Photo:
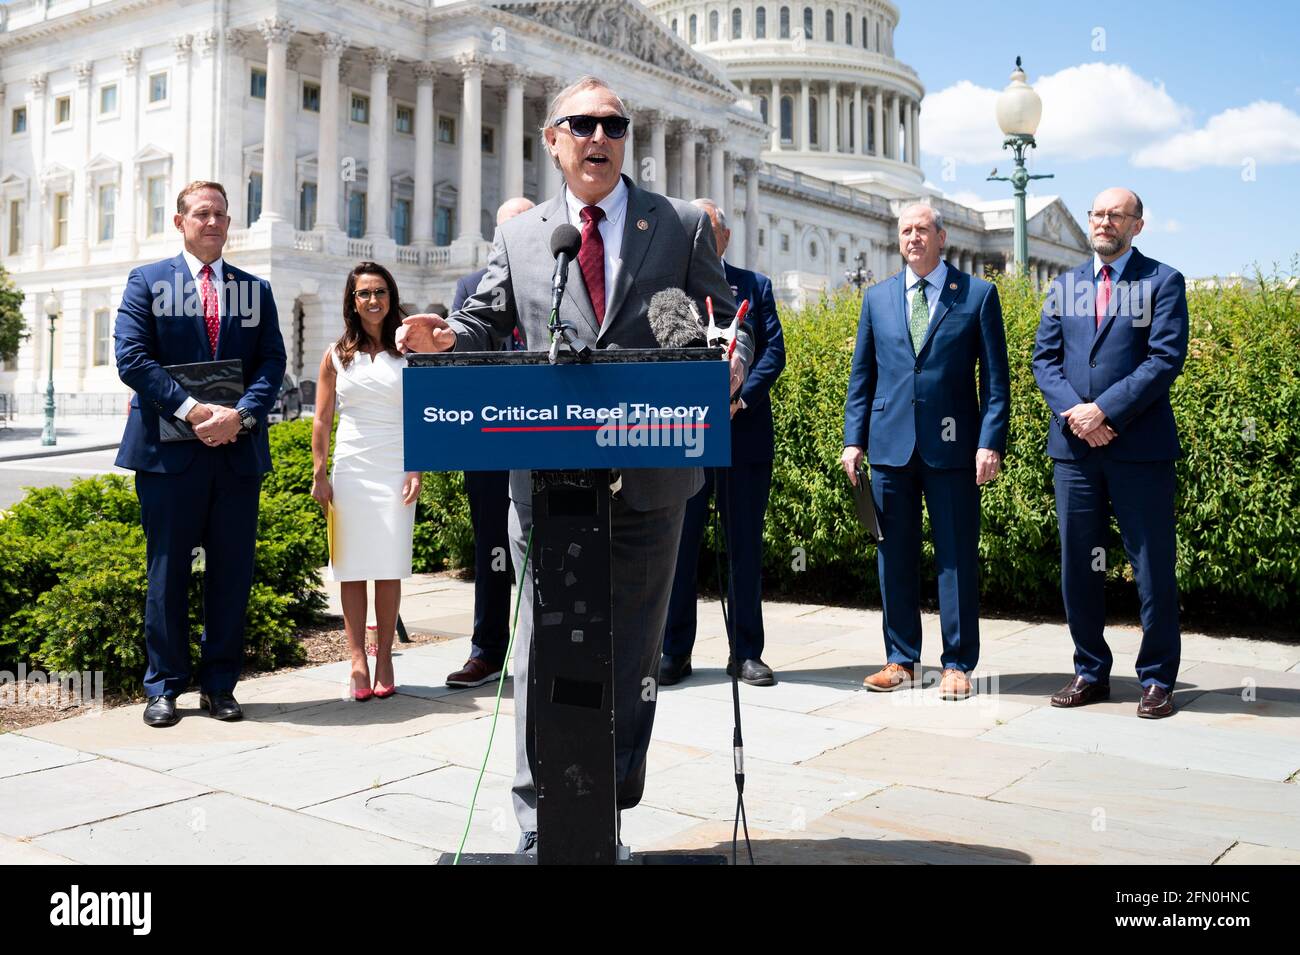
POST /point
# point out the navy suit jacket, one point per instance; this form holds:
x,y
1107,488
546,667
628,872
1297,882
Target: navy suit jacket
x,y
1126,366
466,286
900,401
160,322
751,429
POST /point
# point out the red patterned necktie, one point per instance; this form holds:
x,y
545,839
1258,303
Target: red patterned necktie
x,y
211,318
1103,295
591,258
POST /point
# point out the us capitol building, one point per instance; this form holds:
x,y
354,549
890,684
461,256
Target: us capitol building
x,y
392,129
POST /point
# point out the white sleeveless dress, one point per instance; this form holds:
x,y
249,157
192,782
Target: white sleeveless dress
x,y
372,527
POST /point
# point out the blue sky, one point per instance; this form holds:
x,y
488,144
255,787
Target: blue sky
x,y
1196,105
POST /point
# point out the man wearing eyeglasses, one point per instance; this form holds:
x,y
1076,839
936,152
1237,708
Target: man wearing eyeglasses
x,y
1111,342
198,498
634,243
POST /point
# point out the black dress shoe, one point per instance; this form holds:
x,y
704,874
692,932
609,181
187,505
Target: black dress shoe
x,y
1157,703
161,711
1079,692
755,673
222,706
674,669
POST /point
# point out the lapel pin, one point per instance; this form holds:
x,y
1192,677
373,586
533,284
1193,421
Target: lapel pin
x,y
230,276
642,224
952,285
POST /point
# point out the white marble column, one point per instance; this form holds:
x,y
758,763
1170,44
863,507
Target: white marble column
x,y
377,185
878,124
551,179
328,172
512,139
629,143
180,120
859,127
658,154
276,31
908,115
801,137
916,133
833,115
687,138
729,184
895,151
717,173
471,148
774,114
80,215
751,213
422,214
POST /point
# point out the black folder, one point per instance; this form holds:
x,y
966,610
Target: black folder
x,y
209,383
868,516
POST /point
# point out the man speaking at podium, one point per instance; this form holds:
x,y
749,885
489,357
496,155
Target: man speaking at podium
x,y
634,243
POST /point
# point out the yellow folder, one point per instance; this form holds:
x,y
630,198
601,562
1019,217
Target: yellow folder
x,y
329,532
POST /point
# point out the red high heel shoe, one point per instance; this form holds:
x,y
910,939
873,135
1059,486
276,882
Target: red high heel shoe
x,y
384,692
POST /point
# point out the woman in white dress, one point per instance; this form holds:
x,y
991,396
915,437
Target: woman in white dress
x,y
371,496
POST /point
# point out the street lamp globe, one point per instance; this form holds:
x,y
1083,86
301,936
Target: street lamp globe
x,y
51,305
1019,108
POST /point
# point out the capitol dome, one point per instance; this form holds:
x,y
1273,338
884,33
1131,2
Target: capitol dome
x,y
823,76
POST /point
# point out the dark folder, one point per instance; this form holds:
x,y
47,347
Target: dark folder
x,y
868,516
207,382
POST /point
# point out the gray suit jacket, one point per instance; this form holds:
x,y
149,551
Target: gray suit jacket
x,y
675,250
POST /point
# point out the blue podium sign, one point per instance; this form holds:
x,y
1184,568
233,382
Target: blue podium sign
x,y
668,414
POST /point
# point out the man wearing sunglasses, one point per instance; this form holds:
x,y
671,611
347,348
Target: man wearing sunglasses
x,y
634,243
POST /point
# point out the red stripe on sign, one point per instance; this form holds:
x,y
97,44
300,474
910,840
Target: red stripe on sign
x,y
590,427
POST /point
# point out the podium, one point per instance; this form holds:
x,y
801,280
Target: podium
x,y
579,428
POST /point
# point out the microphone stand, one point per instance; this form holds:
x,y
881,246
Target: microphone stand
x,y
560,332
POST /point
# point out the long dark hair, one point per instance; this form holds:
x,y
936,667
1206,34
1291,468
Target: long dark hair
x,y
354,331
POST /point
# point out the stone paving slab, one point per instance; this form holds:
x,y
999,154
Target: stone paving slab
x,y
1250,810
792,695
1246,854
306,771
1232,678
23,852
67,796
375,720
929,761
1166,742
22,754
464,743
925,710
121,734
221,829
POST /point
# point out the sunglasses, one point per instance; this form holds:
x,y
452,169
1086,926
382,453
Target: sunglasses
x,y
583,126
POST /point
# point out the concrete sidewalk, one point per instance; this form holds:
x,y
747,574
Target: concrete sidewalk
x,y
834,774
21,440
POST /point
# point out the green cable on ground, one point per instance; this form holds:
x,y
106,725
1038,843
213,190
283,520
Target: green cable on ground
x,y
496,712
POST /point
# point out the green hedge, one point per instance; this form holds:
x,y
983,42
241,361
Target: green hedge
x,y
1238,409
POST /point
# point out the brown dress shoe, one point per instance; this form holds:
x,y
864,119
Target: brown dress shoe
x,y
1157,703
475,672
1079,692
889,677
955,685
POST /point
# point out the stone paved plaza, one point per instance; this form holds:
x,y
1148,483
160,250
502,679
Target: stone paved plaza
x,y
834,774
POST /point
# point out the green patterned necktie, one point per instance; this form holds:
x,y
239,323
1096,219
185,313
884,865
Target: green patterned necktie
x,y
920,316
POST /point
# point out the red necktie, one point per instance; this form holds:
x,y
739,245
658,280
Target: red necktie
x,y
591,258
211,317
1103,295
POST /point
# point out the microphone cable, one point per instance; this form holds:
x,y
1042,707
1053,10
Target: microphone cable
x,y
737,739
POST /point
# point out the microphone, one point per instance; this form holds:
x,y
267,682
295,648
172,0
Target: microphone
x,y
674,320
565,243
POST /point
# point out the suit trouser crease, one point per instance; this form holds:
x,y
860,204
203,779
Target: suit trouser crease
x,y
489,513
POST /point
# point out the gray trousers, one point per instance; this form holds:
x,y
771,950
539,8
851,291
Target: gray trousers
x,y
643,555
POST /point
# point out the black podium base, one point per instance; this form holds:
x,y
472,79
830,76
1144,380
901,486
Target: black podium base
x,y
637,858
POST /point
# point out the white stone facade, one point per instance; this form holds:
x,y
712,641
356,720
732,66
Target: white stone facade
x,y
108,107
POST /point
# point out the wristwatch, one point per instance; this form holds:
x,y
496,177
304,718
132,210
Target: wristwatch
x,y
247,418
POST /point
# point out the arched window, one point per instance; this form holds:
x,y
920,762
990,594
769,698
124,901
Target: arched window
x,y
830,26
807,23
812,120
713,27
694,29
760,24
869,129
674,27
848,28
787,119
735,23
785,23
865,33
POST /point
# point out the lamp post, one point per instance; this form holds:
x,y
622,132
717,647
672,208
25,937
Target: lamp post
x,y
52,313
860,275
1019,109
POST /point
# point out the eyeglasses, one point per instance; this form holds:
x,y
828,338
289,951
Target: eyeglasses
x,y
583,126
1115,217
366,294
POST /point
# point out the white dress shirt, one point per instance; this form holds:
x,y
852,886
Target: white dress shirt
x,y
611,228
218,279
933,286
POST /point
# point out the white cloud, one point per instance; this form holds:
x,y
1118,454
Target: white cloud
x,y
965,198
1263,131
1089,111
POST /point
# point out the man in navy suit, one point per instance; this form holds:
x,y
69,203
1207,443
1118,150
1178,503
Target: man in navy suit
x,y
742,492
913,407
198,498
489,513
1111,342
